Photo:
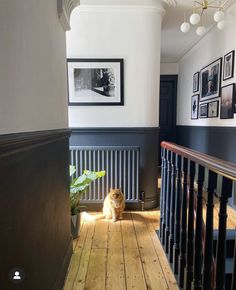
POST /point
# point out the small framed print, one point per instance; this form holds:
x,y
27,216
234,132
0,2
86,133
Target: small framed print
x,y
228,68
194,107
196,82
213,109
203,110
227,105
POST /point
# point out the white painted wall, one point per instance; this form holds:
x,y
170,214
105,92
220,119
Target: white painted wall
x,y
33,93
215,44
169,68
128,32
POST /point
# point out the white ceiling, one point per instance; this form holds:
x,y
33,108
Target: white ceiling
x,y
174,43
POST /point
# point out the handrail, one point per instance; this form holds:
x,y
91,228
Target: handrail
x,y
216,165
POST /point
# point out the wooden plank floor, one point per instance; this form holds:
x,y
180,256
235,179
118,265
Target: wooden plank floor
x,y
123,255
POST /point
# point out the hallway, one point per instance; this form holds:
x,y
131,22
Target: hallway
x,y
121,255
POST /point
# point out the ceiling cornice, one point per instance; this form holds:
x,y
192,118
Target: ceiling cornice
x,y
158,6
65,7
123,2
64,10
171,3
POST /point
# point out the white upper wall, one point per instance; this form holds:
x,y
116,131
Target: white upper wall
x,y
128,32
33,93
169,68
215,44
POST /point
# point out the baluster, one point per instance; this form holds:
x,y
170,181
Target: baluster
x,y
234,272
168,198
176,249
221,243
190,237
197,274
182,256
164,182
161,191
208,248
172,208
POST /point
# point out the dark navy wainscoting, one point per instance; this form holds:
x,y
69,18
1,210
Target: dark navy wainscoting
x,y
148,141
216,141
35,209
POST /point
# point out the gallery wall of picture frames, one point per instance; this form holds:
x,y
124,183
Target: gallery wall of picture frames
x,y
211,98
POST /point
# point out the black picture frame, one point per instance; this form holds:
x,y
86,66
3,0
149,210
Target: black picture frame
x,y
196,82
213,109
227,104
194,107
95,82
228,67
210,80
203,111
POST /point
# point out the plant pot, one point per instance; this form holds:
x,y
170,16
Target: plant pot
x,y
75,225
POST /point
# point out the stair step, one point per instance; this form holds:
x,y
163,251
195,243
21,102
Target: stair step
x,y
230,234
230,242
229,265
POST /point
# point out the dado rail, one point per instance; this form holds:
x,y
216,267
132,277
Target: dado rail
x,y
202,258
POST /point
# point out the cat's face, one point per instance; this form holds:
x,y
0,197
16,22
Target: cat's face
x,y
116,194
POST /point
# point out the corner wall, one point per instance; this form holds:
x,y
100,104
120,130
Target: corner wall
x,y
131,32
34,146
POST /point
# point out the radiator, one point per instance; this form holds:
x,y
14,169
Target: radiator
x,y
120,163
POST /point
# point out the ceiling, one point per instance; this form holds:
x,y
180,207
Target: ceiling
x,y
174,43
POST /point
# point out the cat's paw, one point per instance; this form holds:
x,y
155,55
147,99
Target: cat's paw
x,y
121,217
114,220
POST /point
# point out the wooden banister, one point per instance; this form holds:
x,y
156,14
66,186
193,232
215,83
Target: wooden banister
x,y
186,240
216,165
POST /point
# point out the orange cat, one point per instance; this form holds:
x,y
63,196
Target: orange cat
x,y
114,204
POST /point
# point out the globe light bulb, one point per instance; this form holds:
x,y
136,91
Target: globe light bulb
x,y
221,24
194,18
185,27
219,16
200,30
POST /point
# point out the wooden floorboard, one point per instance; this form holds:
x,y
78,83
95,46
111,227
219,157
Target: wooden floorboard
x,y
125,255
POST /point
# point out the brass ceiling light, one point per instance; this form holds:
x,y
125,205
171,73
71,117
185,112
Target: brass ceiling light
x,y
197,15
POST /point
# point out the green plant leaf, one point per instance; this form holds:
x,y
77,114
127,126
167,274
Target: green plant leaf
x,y
72,170
79,185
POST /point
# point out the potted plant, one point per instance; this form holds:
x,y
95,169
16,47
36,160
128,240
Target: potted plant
x,y
78,186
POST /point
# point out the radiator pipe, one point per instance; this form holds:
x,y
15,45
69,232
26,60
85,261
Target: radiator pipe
x,y
142,199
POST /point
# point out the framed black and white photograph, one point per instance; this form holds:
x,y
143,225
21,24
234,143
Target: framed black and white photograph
x,y
95,82
210,79
196,82
227,104
203,111
213,109
228,67
194,107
